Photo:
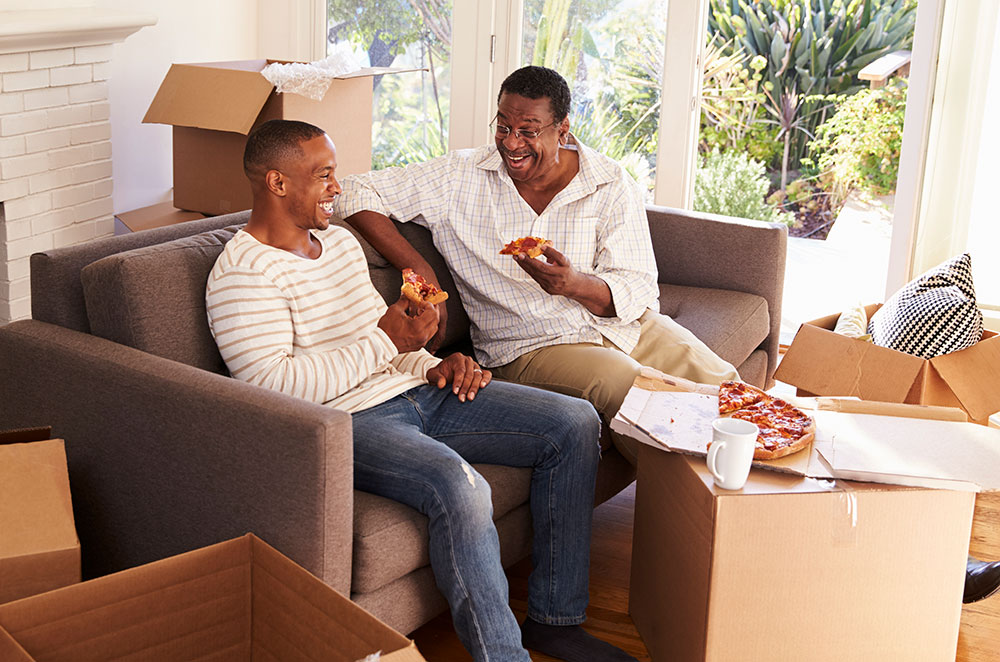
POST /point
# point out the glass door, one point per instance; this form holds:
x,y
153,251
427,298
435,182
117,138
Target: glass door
x,y
410,111
611,54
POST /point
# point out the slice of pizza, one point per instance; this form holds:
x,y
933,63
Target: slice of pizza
x,y
530,246
783,429
416,289
735,395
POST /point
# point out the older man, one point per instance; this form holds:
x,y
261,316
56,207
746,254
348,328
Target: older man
x,y
584,320
292,308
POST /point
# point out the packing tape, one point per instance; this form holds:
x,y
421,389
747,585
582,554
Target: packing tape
x,y
844,528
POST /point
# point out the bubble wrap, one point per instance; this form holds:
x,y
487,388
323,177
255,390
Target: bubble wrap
x,y
313,79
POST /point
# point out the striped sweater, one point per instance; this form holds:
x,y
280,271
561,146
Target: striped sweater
x,y
307,328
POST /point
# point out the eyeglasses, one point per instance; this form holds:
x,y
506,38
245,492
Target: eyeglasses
x,y
501,131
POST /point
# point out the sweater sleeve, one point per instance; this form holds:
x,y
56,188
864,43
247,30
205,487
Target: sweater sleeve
x,y
250,319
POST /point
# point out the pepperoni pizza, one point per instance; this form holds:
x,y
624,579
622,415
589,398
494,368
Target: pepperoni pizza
x,y
783,428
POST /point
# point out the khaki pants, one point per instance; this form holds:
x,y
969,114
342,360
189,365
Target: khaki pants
x,y
603,374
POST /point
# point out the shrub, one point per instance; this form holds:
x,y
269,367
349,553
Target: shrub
x,y
813,48
732,104
733,184
859,146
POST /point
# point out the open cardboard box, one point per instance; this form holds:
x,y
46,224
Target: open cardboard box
x,y
821,362
213,107
800,563
797,565
236,600
39,548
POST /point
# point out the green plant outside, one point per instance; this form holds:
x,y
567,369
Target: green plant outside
x,y
411,119
733,184
732,103
813,48
858,148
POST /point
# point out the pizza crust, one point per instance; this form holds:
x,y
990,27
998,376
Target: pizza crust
x,y
761,453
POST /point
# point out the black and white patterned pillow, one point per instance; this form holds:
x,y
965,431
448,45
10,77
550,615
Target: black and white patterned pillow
x,y
932,315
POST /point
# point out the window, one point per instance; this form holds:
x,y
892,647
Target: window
x,y
611,53
410,110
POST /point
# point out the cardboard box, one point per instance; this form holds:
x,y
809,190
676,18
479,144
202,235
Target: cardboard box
x,y
39,549
214,106
153,216
821,362
793,568
237,600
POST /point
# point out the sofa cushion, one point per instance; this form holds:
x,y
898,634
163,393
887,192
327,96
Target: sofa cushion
x,y
733,324
390,539
153,298
387,279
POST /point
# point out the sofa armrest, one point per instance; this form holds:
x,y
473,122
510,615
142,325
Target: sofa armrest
x,y
708,250
164,457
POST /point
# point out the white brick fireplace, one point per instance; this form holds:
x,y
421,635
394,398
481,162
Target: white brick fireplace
x,y
55,135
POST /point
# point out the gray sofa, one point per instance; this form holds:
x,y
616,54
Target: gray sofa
x,y
167,453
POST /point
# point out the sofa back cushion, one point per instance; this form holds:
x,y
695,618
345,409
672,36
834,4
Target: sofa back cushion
x,y
153,298
387,279
56,290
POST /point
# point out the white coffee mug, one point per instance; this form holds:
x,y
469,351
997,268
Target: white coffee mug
x,y
731,452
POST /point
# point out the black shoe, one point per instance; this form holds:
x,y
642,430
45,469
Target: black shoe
x,y
982,580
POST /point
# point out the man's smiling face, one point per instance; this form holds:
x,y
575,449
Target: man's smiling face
x,y
313,183
529,160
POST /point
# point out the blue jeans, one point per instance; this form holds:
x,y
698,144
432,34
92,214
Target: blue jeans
x,y
416,448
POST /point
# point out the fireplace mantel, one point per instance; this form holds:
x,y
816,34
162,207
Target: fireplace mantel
x,y
45,29
55,134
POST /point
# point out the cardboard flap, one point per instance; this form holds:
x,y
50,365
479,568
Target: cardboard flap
x,y
10,650
851,406
209,98
827,363
34,487
905,450
292,605
972,376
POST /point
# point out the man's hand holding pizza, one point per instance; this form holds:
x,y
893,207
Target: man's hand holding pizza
x,y
557,276
463,373
409,325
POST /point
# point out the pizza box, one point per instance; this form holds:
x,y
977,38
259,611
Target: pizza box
x,y
39,548
213,106
236,600
821,362
860,440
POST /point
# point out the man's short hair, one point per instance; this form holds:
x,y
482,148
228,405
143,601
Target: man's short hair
x,y
534,82
274,143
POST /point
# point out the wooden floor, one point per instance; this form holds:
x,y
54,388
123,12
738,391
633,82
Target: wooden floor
x,y
607,615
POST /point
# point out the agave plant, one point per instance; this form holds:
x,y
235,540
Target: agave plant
x,y
814,48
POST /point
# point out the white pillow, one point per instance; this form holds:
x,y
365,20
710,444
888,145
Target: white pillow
x,y
853,323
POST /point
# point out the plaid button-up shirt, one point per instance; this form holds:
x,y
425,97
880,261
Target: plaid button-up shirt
x,y
469,203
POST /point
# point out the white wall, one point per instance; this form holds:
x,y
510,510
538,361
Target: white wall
x,y
984,230
186,31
